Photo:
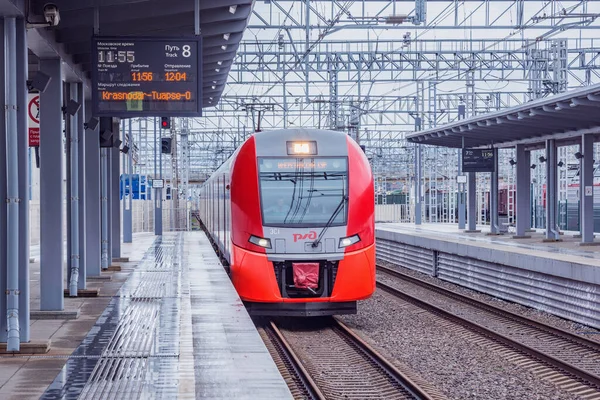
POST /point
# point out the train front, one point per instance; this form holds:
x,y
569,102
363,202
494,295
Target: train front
x,y
302,224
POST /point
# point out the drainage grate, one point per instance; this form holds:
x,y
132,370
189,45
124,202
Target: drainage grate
x,y
133,349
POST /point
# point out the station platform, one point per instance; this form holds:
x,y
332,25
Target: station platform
x,y
567,249
168,325
562,278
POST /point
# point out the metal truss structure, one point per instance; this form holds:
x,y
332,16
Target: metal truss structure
x,y
378,69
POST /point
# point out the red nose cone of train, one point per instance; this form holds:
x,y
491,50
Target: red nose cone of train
x,y
292,212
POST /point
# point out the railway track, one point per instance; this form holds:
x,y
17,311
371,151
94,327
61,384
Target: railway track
x,y
326,360
573,362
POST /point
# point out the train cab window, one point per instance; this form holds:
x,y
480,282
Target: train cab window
x,y
303,191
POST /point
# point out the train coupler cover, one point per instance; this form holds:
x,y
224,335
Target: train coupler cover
x,y
306,275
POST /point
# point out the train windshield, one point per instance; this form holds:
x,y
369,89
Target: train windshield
x,y
303,191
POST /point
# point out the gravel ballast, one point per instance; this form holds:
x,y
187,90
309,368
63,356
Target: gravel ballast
x,y
540,316
450,357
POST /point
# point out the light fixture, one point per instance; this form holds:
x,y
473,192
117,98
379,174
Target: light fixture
x,y
226,36
213,87
210,98
347,241
578,155
512,162
224,47
542,159
217,69
560,164
232,9
215,82
262,242
219,62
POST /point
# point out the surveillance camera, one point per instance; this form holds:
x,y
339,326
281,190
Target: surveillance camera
x,y
51,14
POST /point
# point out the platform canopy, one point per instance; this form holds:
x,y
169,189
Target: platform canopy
x,y
561,117
222,24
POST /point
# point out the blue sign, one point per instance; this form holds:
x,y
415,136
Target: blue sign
x,y
140,189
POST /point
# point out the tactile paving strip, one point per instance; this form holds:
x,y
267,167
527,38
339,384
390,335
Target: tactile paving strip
x,y
133,350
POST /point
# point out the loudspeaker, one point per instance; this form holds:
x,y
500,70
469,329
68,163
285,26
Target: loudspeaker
x,y
106,138
39,82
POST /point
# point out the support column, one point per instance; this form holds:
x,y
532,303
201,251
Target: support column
x,y
81,185
551,192
51,189
418,195
494,224
128,187
523,192
158,228
12,200
73,131
23,166
114,203
586,190
93,210
105,125
109,196
472,202
461,196
3,181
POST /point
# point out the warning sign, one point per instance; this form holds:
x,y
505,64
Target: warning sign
x,y
33,122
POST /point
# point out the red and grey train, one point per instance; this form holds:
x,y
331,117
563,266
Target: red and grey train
x,y
292,213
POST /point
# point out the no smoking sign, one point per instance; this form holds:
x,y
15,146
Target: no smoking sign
x,y
33,111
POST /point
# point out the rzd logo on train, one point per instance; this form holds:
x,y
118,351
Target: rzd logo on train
x,y
312,235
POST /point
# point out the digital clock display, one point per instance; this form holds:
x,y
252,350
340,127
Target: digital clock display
x,y
145,76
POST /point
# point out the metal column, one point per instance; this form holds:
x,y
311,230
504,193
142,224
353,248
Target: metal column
x,y
109,195
72,142
586,191
158,228
494,225
128,186
51,189
105,125
461,196
551,192
472,202
3,180
115,203
23,150
418,194
93,216
523,178
80,130
14,217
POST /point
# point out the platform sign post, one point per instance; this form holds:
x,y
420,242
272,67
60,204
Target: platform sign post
x,y
33,119
147,76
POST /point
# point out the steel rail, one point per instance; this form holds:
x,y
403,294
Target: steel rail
x,y
409,384
592,345
294,361
563,366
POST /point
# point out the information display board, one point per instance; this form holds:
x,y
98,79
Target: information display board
x,y
158,183
478,160
146,76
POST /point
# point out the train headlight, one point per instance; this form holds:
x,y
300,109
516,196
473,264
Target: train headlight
x,y
347,241
262,242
